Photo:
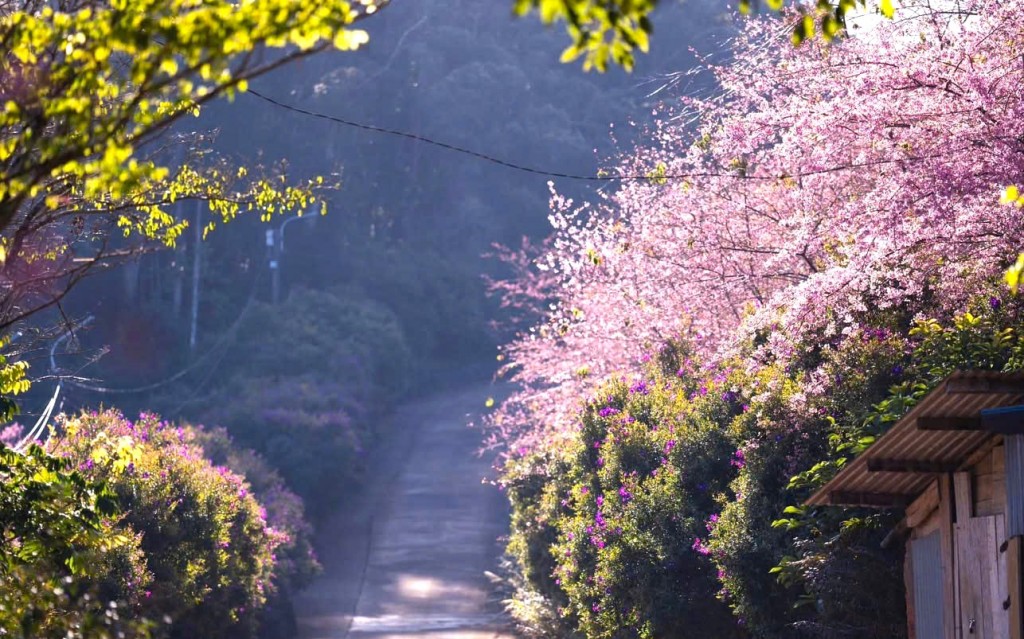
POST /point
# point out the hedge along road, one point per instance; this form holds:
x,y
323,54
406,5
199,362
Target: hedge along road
x,y
407,557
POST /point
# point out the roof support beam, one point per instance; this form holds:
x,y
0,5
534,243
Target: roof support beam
x,y
882,465
876,500
972,385
948,422
1008,420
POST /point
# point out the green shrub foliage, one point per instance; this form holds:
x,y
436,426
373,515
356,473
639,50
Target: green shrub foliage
x,y
65,568
340,336
675,509
314,431
206,547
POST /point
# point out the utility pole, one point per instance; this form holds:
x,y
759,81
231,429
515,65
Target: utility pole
x,y
273,260
196,266
275,249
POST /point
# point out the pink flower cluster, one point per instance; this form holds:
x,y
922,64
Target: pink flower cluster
x,y
824,181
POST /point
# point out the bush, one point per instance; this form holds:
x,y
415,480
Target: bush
x,y
349,339
296,562
312,431
204,540
66,569
629,512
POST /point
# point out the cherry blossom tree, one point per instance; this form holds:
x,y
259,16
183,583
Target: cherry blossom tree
x,y
825,182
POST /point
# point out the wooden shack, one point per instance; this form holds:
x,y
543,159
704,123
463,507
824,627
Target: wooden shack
x,y
955,463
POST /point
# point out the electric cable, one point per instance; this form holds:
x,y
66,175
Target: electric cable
x,y
221,344
44,417
654,177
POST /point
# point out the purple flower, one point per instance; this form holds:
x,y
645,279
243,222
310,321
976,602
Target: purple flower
x,y
625,495
669,445
608,411
995,303
738,460
640,387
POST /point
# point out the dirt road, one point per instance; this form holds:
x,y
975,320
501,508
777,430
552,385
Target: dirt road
x,y
407,557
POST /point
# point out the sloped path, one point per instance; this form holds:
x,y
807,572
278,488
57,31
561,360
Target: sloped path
x,y
407,557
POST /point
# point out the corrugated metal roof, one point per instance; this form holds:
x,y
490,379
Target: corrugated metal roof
x,y
922,453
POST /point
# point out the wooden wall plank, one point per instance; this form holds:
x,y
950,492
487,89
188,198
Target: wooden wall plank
x,y
950,569
908,580
998,584
962,496
1014,590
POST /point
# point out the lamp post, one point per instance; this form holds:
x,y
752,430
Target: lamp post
x,y
275,248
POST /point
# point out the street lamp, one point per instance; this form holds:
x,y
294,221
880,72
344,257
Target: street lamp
x,y
275,248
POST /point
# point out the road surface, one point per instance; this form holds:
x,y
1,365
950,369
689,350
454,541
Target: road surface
x,y
407,557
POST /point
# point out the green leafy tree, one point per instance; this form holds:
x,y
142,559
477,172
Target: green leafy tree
x,y
611,31
92,156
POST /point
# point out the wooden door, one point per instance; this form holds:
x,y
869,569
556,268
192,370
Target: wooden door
x,y
981,579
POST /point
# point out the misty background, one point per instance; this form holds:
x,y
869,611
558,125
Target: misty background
x,y
384,297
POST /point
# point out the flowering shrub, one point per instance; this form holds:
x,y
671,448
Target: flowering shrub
x,y
65,568
679,496
295,564
207,549
625,515
312,431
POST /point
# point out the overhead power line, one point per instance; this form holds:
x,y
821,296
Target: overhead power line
x,y
215,355
656,176
476,154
